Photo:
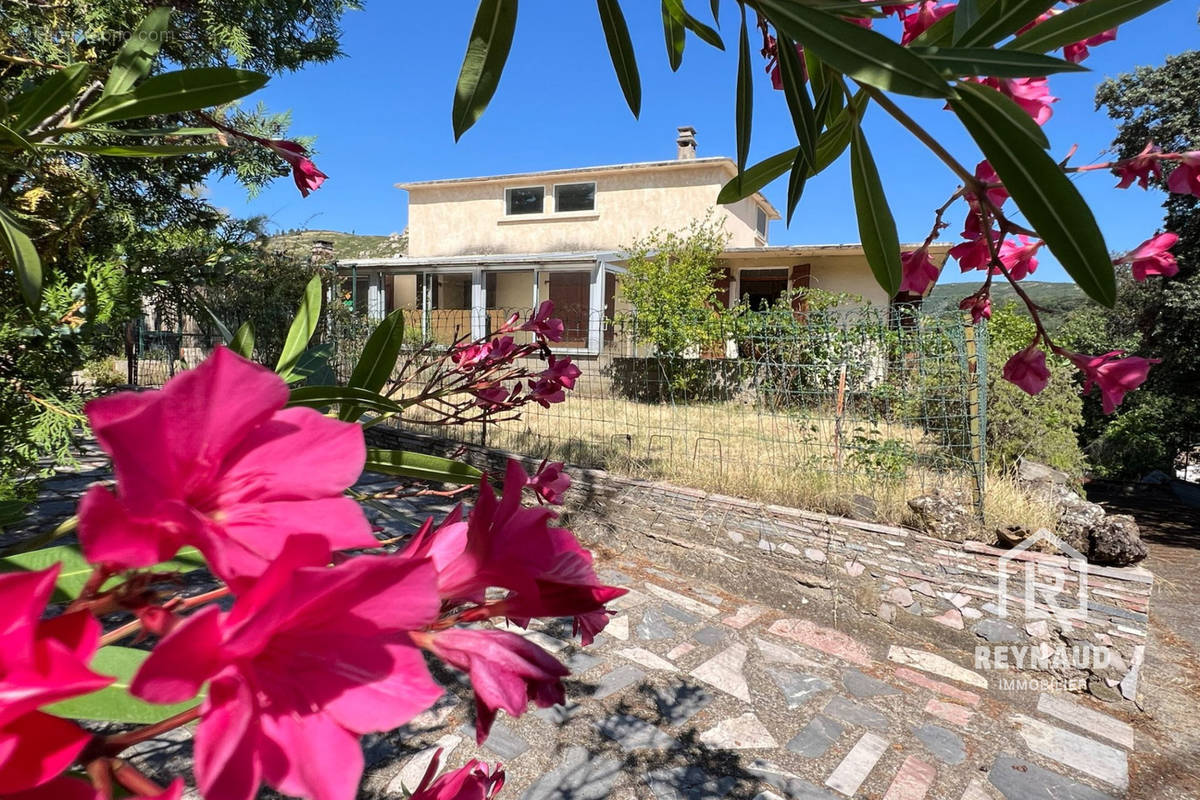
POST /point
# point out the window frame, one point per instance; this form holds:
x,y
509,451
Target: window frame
x,y
508,190
761,214
595,199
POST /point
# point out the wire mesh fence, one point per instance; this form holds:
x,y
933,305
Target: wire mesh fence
x,y
849,411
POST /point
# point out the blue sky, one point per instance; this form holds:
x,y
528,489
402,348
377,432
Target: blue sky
x,y
382,115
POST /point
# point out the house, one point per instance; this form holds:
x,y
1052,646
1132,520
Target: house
x,y
482,248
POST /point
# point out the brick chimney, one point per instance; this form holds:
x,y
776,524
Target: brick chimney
x,y
686,141
322,251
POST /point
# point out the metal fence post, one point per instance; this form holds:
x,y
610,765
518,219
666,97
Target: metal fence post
x,y
975,413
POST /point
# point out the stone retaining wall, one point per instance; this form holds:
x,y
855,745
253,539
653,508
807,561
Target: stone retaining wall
x,y
845,571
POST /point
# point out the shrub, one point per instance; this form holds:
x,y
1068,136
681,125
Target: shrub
x,y
1043,427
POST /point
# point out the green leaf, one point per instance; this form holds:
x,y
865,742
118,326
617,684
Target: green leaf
x,y
1078,23
76,570
804,117
313,366
222,328
620,49
744,105
830,145
716,11
960,61
694,25
14,137
378,359
243,341
421,466
1046,196
23,256
49,96
966,14
302,328
136,56
675,34
132,150
1000,18
326,396
487,52
174,92
796,181
939,34
876,226
114,703
864,55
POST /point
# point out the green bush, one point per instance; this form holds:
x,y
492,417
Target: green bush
x,y
1044,427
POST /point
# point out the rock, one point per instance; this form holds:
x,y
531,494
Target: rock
x,y
1013,535
946,514
1116,541
864,508
1032,472
1099,689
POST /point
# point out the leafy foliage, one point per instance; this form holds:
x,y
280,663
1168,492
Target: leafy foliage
x,y
1159,318
1041,427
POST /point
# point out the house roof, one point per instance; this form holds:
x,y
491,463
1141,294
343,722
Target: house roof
x,y
640,166
936,250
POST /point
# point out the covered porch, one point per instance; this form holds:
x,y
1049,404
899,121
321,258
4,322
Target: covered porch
x,y
449,297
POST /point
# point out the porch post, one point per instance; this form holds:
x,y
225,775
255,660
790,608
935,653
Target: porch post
x,y
478,305
596,308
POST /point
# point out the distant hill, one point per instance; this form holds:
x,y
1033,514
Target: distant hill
x,y
1058,298
345,245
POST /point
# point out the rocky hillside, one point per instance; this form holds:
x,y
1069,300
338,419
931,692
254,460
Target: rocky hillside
x,y
345,245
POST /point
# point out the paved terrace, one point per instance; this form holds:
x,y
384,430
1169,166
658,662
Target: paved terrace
x,y
697,690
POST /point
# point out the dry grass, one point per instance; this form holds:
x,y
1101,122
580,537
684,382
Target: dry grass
x,y
804,459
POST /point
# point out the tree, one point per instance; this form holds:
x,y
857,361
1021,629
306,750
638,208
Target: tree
x,y
92,205
1157,318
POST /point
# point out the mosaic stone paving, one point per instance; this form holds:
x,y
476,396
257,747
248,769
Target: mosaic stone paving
x,y
693,693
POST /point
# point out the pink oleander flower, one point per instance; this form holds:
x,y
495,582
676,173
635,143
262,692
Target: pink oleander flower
x,y
214,460
1078,51
918,272
494,350
309,659
545,570
1115,376
542,324
974,253
1027,369
41,662
550,483
1151,257
927,13
996,193
507,671
304,172
493,397
63,788
475,780
1017,256
1031,94
980,306
1142,167
561,371
545,392
1185,178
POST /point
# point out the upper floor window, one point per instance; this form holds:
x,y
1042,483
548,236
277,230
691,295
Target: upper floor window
x,y
525,200
575,197
760,223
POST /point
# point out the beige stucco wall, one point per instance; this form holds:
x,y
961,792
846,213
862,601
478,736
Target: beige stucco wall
x,y
513,290
847,274
468,217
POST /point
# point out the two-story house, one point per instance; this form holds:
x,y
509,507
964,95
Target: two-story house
x,y
481,248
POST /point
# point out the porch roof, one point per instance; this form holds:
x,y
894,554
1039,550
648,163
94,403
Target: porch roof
x,y
789,251
480,260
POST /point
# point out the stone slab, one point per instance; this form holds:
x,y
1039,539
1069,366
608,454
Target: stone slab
x,y
634,733
642,656
1101,761
852,713
745,732
1087,719
684,602
688,783
777,654
578,776
824,639
849,775
817,737
912,780
862,685
935,664
797,688
724,671
679,702
1021,780
942,742
620,678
